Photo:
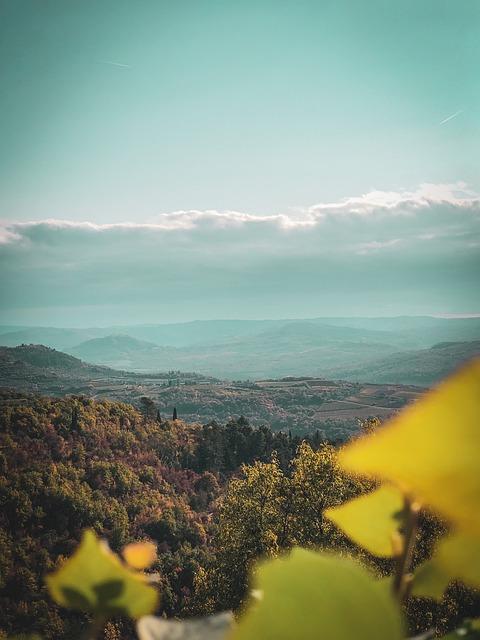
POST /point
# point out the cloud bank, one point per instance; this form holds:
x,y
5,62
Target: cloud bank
x,y
378,253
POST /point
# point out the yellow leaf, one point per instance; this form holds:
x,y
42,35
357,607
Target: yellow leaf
x,y
94,580
314,595
431,449
140,555
373,520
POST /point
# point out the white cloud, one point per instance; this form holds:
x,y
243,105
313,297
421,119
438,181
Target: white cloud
x,y
401,202
375,204
362,253
7,236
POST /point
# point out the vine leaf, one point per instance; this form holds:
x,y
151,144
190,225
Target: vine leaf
x,y
459,554
316,595
430,580
373,521
430,450
457,557
93,579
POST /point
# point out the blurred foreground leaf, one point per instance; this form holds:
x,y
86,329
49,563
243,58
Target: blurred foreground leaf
x,y
373,521
312,595
457,557
94,580
430,581
431,449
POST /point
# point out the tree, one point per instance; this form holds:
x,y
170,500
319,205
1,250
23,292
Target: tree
x,y
269,509
148,407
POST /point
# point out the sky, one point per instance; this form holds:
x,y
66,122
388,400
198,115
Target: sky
x,y
167,161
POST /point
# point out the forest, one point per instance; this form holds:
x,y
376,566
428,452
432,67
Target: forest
x,y
212,498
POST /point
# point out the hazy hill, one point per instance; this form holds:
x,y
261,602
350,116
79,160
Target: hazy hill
x,y
121,352
54,337
413,331
255,349
423,367
294,349
177,334
317,332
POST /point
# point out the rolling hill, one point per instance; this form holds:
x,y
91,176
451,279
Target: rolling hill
x,y
121,352
36,368
256,349
423,367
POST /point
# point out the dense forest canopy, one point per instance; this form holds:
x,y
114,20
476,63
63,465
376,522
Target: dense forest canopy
x,y
213,498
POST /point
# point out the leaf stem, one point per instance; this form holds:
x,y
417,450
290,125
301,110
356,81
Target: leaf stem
x,y
401,577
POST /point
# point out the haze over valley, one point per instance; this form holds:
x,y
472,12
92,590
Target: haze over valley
x,y
403,350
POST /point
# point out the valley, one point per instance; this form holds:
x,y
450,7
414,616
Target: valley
x,y
301,405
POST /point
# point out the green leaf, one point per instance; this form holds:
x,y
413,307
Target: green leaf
x,y
430,450
95,580
459,555
314,595
456,557
373,521
430,581
210,628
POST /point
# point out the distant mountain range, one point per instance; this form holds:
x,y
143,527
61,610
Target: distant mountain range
x,y
396,350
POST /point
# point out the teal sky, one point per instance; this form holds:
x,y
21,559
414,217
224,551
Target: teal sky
x,y
120,112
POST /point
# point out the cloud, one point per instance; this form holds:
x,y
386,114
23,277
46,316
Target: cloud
x,y
404,202
365,254
375,203
7,236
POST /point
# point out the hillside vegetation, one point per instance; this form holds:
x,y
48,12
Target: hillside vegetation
x,y
70,464
299,405
75,464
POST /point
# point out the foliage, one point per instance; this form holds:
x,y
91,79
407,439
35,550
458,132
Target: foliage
x,y
372,520
310,595
333,588
72,464
441,470
75,463
94,580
